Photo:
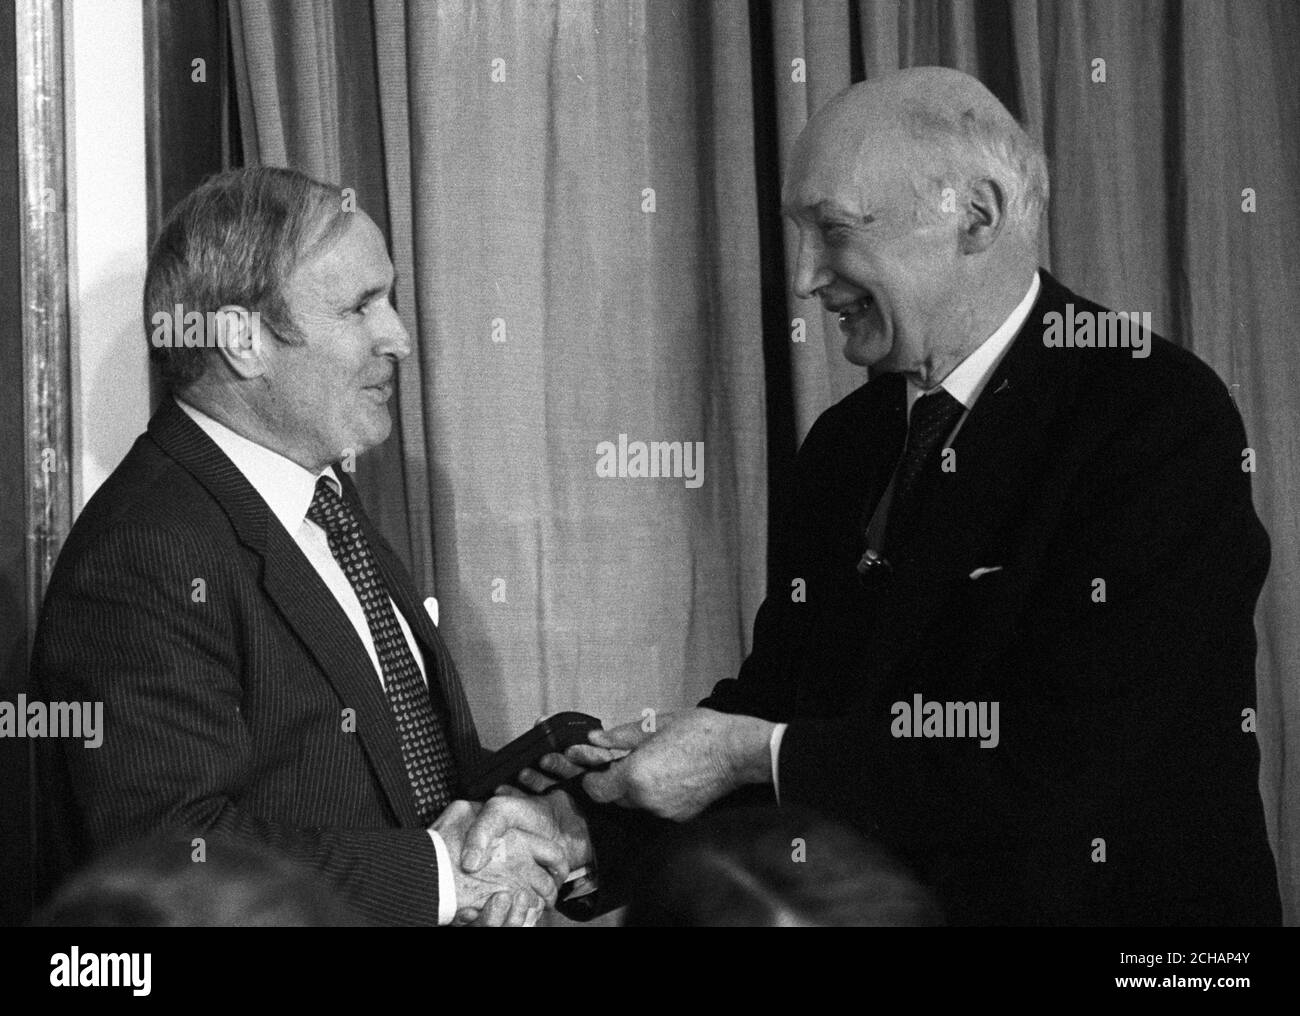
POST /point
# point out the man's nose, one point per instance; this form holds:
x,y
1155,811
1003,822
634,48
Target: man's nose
x,y
392,338
810,271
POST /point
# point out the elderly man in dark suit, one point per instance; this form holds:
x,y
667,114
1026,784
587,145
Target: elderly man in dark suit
x,y
1011,631
268,670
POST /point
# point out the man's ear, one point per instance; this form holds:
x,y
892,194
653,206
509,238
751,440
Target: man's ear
x,y
241,340
984,214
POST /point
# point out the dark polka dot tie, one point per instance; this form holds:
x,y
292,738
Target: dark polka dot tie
x,y
933,417
429,761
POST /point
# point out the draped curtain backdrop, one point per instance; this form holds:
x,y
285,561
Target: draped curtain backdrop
x,y
583,205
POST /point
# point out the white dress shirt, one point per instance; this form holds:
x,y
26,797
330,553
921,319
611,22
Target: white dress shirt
x,y
288,489
964,383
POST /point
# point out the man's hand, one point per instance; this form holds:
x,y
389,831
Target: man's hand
x,y
517,875
549,818
690,760
554,766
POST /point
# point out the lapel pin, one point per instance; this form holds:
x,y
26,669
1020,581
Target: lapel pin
x,y
872,567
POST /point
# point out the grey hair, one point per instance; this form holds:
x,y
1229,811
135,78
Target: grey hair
x,y
974,144
234,241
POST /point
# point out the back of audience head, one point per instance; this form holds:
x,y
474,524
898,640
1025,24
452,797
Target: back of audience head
x,y
777,867
163,883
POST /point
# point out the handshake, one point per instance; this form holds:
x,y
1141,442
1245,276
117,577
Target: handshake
x,y
511,855
514,853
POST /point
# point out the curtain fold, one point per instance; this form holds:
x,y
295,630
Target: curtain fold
x,y
815,33
394,119
576,172
1240,305
581,229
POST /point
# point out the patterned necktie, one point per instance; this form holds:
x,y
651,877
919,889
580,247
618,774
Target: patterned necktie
x,y
933,417
428,758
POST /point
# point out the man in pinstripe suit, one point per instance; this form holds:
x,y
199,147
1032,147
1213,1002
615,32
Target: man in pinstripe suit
x,y
267,670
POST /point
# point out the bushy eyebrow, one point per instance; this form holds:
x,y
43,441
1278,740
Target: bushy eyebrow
x,y
827,210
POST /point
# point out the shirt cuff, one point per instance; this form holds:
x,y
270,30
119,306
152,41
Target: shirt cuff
x,y
579,883
446,881
774,746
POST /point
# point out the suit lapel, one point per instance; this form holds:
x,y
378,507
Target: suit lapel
x,y
879,440
298,592
1000,450
1001,442
316,617
871,434
1000,447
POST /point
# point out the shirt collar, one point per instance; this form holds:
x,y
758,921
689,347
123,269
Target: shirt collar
x,y
969,377
286,487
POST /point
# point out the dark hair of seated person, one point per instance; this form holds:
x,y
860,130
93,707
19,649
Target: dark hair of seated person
x,y
776,867
160,883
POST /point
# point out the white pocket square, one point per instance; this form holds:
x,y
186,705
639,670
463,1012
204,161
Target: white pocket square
x,y
978,572
431,608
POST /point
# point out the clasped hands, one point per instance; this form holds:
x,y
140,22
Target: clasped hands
x,y
516,851
512,854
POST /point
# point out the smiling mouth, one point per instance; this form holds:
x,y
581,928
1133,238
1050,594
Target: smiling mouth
x,y
856,308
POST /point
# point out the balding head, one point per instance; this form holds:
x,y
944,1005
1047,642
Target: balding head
x,y
918,199
954,128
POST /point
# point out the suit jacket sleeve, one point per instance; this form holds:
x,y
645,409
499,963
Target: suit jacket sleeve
x,y
126,623
764,686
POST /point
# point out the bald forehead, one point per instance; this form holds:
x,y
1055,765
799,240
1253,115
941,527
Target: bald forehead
x,y
843,150
867,135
